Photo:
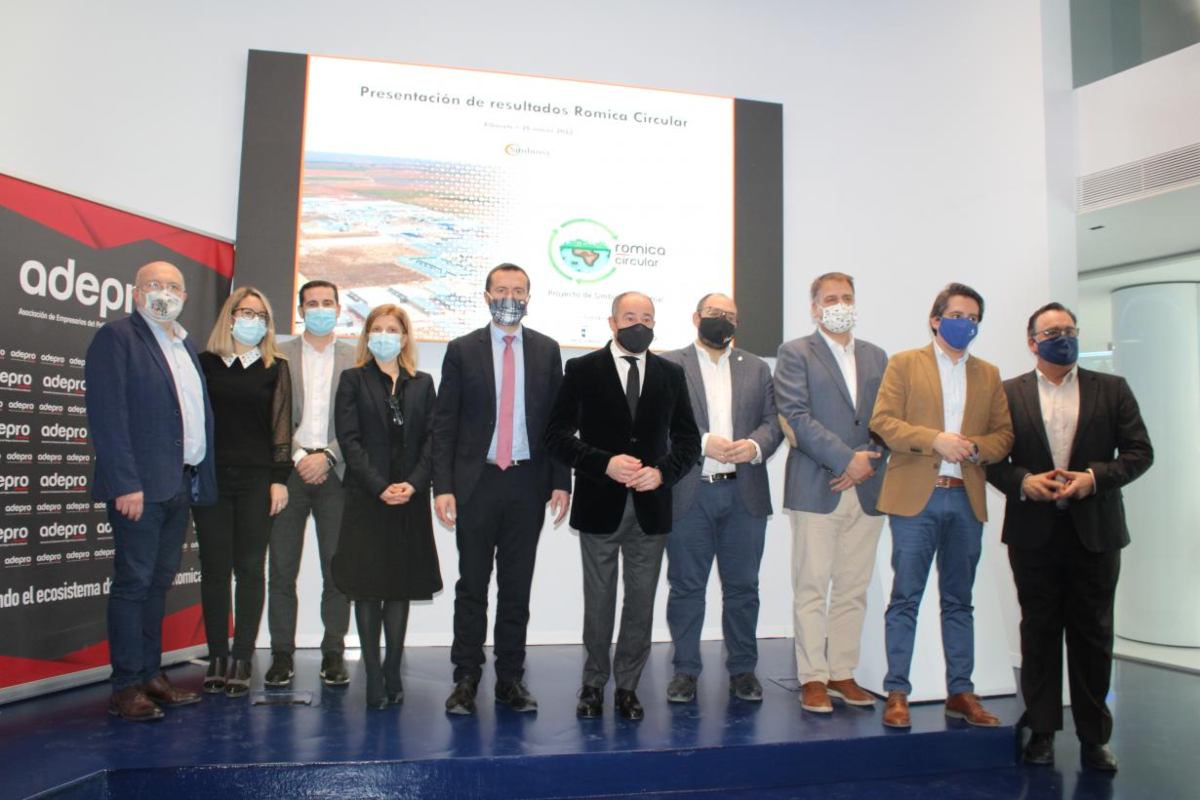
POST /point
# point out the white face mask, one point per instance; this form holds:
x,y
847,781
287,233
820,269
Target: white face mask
x,y
839,318
163,305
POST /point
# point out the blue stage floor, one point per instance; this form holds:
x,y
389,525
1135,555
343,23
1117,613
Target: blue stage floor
x,y
719,747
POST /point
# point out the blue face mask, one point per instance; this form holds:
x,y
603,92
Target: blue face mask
x,y
385,346
958,332
249,331
320,321
1061,350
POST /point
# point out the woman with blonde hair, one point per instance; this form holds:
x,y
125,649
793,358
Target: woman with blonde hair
x,y
386,555
251,392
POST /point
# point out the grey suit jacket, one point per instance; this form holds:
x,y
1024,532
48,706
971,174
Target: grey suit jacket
x,y
343,358
822,427
754,417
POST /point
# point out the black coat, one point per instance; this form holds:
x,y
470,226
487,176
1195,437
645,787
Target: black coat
x,y
664,435
1110,439
465,415
385,552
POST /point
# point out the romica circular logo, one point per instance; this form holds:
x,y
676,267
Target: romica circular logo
x,y
582,250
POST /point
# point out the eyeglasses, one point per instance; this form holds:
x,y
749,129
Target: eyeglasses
x,y
1053,333
158,286
397,414
713,313
250,313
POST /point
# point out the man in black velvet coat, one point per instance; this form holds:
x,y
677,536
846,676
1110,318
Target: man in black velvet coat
x,y
636,438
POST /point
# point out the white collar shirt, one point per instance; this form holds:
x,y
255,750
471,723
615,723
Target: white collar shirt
x,y
954,400
844,356
188,389
316,370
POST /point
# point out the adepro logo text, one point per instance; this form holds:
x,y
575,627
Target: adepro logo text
x,y
61,384
16,381
60,531
15,534
62,283
56,482
58,433
14,432
14,484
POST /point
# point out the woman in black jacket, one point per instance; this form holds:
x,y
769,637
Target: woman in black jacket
x,y
386,554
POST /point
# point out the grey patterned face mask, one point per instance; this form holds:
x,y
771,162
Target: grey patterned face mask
x,y
507,311
839,317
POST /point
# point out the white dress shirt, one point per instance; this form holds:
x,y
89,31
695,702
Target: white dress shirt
x,y
954,400
623,366
1060,416
718,397
316,370
187,388
844,356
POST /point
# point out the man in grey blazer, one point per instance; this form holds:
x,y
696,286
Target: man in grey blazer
x,y
721,505
316,359
825,384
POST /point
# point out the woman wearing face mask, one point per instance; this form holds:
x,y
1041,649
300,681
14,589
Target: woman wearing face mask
x,y
251,392
386,555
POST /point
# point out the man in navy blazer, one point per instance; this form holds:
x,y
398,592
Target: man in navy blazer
x,y
825,386
152,429
720,507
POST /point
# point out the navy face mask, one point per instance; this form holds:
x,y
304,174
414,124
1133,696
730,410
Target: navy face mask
x,y
958,332
1061,350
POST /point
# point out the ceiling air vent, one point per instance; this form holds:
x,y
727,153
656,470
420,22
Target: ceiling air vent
x,y
1154,175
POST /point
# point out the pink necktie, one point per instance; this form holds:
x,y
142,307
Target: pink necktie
x,y
507,392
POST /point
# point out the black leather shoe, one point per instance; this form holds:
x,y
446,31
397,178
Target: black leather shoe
x,y
515,695
628,705
333,670
281,671
462,699
682,688
745,686
237,678
1040,749
214,678
1097,757
395,697
591,702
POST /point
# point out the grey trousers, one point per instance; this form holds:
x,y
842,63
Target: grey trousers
x,y
324,502
641,560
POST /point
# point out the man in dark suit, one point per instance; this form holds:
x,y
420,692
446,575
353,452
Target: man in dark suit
x,y
636,439
721,505
492,478
152,428
1064,525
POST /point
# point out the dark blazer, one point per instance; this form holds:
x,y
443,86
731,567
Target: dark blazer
x,y
465,414
134,417
1110,439
664,435
754,417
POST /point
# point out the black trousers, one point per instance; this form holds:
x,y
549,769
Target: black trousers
x,y
1063,587
233,537
501,523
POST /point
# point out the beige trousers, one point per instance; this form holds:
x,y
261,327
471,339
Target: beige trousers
x,y
832,559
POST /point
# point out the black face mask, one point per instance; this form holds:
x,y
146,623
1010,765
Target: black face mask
x,y
635,338
717,331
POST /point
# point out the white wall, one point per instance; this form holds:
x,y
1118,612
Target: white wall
x,y
919,144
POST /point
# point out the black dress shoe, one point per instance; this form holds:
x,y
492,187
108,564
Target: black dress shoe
x,y
462,699
515,695
1040,749
628,706
745,686
682,688
333,670
214,678
591,702
237,678
1097,757
281,671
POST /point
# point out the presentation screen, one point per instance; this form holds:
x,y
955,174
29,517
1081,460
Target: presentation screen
x,y
413,181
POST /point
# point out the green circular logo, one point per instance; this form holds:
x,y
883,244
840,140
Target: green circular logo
x,y
582,250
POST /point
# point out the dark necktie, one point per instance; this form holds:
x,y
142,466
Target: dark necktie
x,y
632,383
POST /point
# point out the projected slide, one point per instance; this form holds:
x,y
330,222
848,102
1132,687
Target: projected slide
x,y
416,180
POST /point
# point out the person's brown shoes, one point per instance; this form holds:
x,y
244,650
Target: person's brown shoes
x,y
966,706
132,704
896,714
849,692
164,693
814,698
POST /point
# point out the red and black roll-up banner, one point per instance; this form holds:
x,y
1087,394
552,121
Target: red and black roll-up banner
x,y
67,267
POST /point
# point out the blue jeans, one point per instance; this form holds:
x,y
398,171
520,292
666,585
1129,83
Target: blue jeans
x,y
948,528
716,525
144,566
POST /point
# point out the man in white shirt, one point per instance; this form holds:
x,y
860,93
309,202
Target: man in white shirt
x,y
317,359
722,503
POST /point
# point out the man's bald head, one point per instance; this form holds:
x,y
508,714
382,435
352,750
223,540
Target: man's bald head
x,y
161,271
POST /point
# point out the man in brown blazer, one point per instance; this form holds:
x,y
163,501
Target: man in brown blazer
x,y
944,416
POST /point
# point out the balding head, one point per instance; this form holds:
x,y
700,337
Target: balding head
x,y
163,272
632,302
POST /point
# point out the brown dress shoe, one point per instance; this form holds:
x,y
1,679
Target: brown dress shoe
x,y
814,698
849,692
896,714
163,692
966,706
132,704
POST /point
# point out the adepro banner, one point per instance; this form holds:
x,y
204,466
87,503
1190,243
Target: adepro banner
x,y
67,267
